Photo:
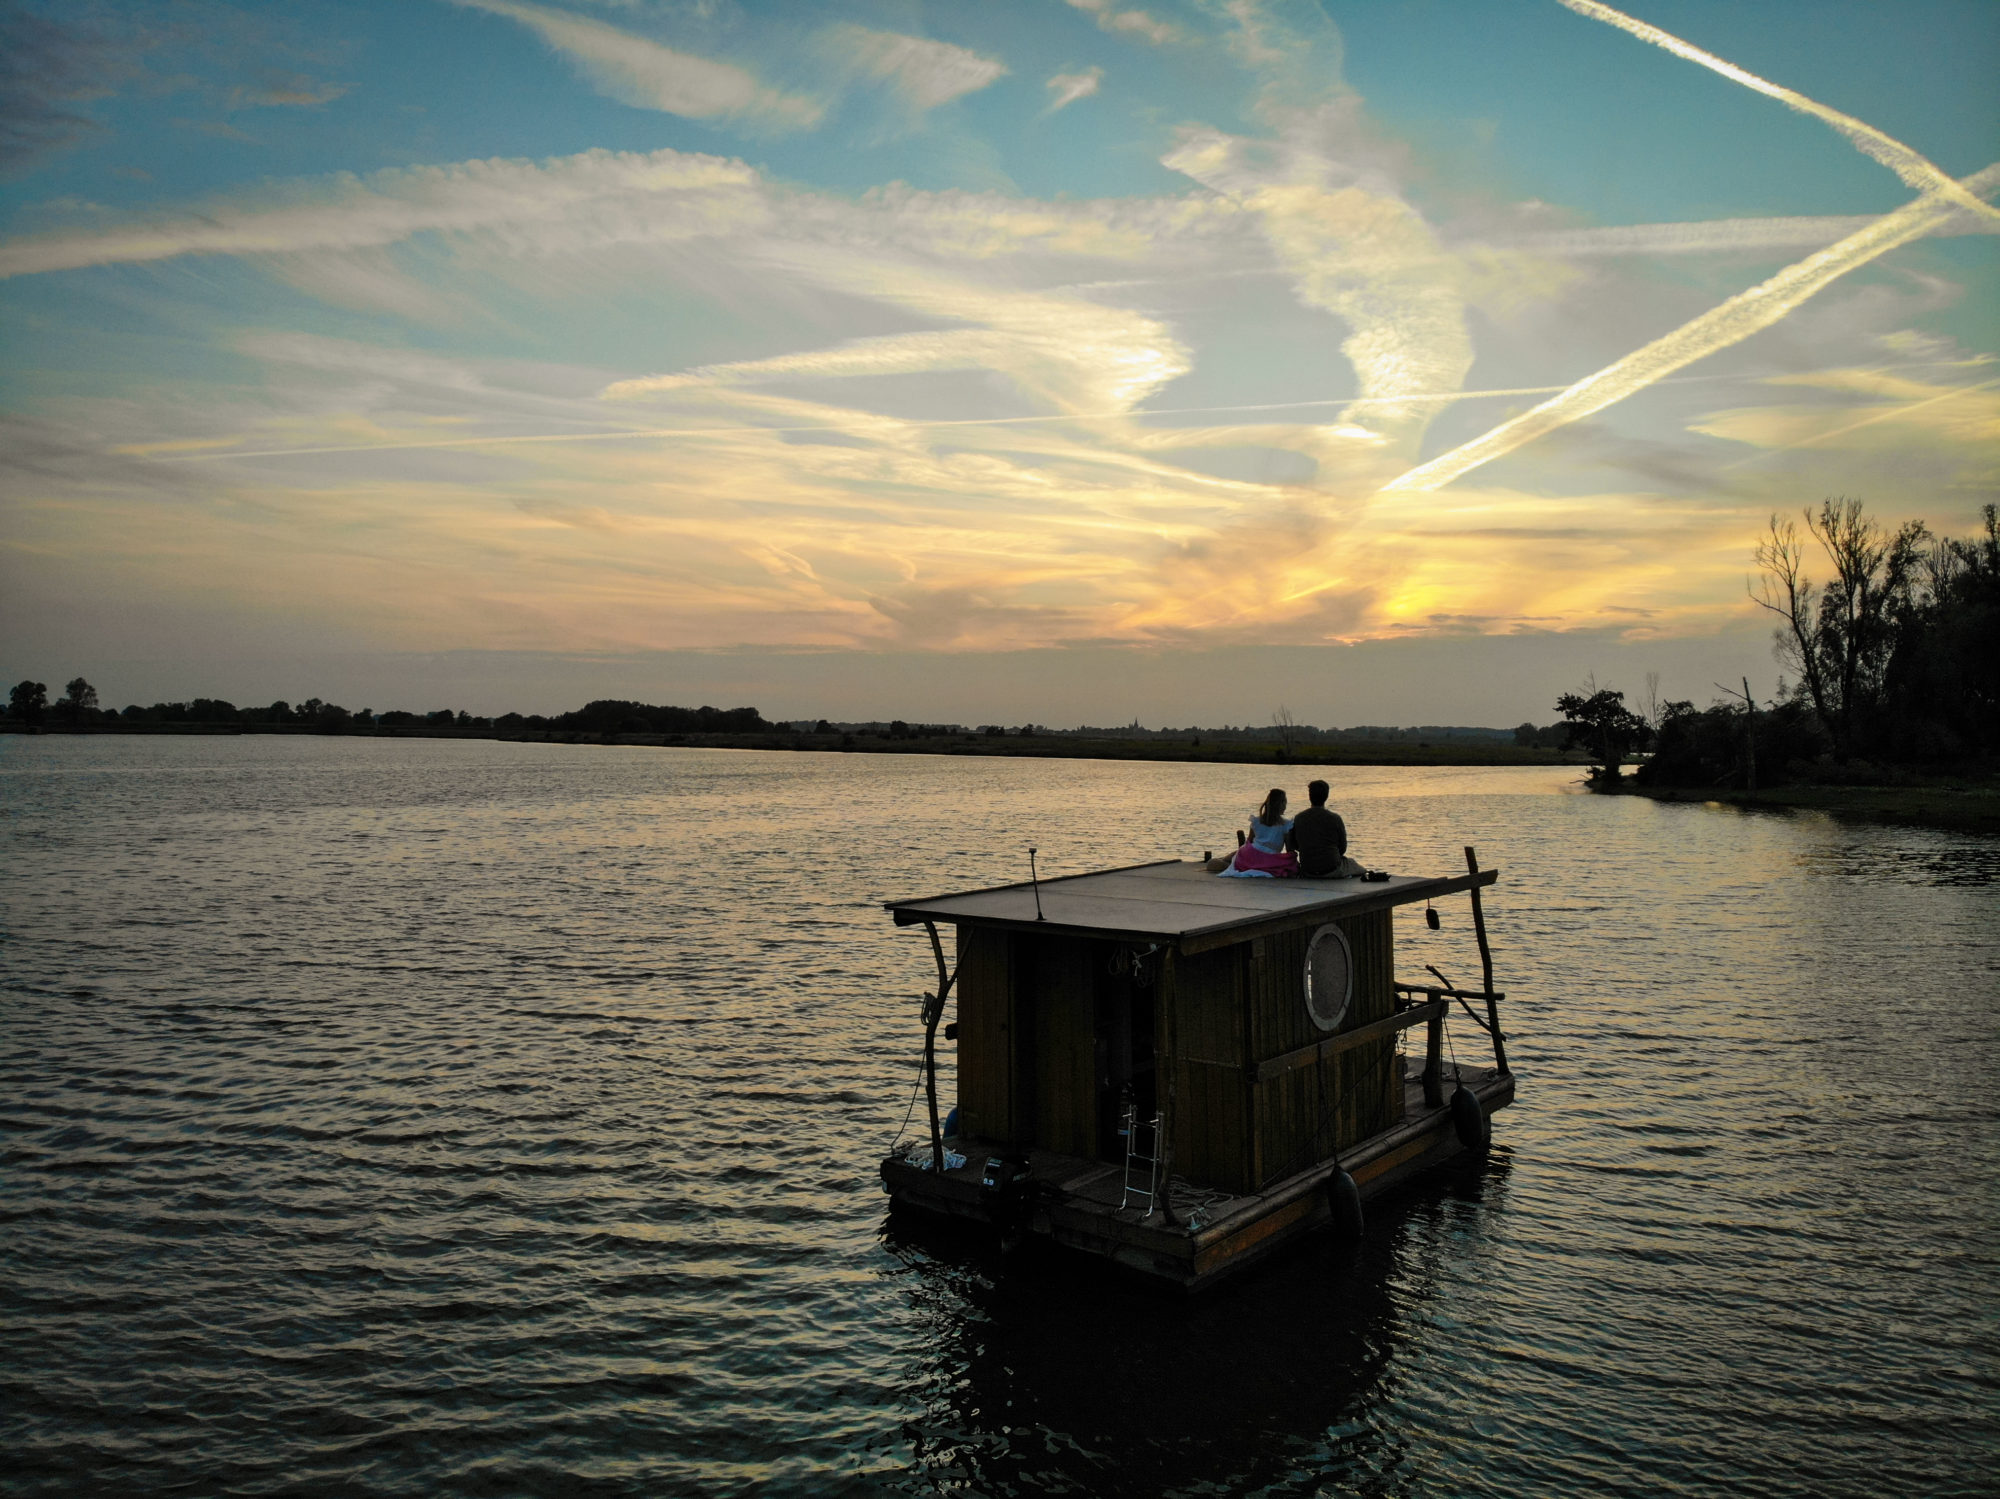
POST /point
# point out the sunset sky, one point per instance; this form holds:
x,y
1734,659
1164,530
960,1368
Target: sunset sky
x,y
1392,362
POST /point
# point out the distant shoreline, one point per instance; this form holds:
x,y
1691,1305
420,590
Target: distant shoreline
x,y
1948,806
1011,746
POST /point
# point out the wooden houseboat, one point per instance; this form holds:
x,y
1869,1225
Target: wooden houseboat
x,y
1180,1072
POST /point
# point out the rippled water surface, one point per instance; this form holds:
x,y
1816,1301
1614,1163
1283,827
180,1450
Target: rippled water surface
x,y
435,1117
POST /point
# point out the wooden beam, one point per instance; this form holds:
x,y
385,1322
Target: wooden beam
x,y
1256,926
1361,1035
1437,991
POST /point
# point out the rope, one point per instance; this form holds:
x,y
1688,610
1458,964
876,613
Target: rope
x,y
897,1144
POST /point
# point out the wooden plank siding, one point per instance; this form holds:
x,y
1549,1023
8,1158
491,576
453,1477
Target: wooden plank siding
x,y
1211,1116
985,1034
1062,1032
1310,1112
1027,1049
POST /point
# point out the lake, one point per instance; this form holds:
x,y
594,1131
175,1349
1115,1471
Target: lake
x,y
415,1117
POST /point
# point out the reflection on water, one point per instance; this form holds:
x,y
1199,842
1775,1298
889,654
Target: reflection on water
x,y
463,1117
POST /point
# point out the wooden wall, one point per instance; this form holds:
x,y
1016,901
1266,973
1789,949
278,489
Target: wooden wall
x,y
1308,1113
1027,1048
1201,1003
1238,1006
1063,1025
985,1035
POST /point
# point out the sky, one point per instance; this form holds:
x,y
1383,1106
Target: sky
x,y
1068,361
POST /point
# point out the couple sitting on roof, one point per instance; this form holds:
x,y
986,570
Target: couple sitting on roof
x,y
1312,845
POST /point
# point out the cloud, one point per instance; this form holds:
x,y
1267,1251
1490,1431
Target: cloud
x,y
925,73
47,70
1128,22
646,75
1074,354
285,90
1067,88
595,197
1356,249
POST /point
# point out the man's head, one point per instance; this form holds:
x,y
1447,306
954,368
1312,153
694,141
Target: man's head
x,y
1316,791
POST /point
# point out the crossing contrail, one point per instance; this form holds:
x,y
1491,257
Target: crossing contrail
x,y
1745,313
1918,171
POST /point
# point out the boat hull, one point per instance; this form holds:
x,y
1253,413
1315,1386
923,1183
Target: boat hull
x,y
1076,1203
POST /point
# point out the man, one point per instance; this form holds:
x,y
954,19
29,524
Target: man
x,y
1318,836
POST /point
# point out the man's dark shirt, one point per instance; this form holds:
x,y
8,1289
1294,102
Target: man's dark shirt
x,y
1319,838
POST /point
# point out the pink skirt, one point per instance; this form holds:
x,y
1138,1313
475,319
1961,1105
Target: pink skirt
x,y
1280,866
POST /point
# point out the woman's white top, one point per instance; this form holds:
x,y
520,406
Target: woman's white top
x,y
1270,836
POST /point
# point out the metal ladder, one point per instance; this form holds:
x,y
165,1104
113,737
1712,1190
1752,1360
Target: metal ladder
x,y
1150,1160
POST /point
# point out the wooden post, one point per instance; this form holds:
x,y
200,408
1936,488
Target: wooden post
x,y
933,1012
1486,963
1434,1058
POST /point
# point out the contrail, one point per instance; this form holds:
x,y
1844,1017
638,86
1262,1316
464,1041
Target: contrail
x,y
629,433
1867,421
1745,313
1918,171
143,450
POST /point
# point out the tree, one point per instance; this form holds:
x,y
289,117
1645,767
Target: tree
x,y
78,699
1287,727
1839,638
28,701
1604,723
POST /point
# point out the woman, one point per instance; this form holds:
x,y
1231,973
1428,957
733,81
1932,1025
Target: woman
x,y
1264,856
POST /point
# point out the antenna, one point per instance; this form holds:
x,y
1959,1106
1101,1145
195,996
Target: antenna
x,y
1036,881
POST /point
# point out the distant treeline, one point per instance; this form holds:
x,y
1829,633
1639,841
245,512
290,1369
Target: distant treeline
x,y
29,703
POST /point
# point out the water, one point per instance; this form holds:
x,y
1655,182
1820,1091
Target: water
x,y
466,1118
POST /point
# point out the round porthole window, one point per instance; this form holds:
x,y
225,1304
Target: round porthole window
x,y
1329,978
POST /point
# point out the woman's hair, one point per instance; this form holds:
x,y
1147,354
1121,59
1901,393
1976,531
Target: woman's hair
x,y
1273,810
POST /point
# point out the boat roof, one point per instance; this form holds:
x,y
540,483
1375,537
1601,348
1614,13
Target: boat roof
x,y
1175,901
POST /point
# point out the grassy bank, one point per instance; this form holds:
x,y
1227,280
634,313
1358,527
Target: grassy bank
x,y
1957,807
1010,746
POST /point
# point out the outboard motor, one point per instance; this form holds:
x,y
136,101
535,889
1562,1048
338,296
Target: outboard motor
x,y
1008,1192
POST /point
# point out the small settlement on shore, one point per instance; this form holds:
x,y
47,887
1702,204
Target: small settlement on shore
x,y
1180,1073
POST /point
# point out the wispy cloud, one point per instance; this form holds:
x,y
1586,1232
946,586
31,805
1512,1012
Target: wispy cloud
x,y
1065,350
598,195
48,70
1128,21
275,90
925,73
1067,88
1360,252
647,75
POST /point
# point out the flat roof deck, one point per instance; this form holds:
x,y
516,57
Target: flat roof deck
x,y
1175,901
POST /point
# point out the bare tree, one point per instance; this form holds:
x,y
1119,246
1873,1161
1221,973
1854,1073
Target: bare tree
x,y
1787,592
1288,728
1838,638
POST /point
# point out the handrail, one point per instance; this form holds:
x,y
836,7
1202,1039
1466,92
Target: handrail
x,y
1446,991
1361,1035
